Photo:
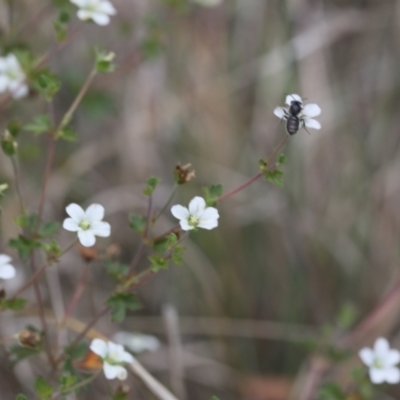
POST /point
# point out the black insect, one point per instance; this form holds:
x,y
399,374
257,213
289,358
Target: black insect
x,y
293,118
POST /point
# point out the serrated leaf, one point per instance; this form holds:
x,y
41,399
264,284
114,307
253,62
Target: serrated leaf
x,y
152,183
24,245
158,263
67,134
120,303
212,193
281,159
66,382
16,304
117,271
49,229
43,389
46,83
274,176
40,124
137,222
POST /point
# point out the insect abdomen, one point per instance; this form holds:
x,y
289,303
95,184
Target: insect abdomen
x,y
292,124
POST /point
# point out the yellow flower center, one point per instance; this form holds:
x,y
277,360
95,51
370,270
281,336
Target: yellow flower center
x,y
193,220
84,225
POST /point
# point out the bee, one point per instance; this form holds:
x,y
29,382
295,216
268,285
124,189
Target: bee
x,y
293,118
298,116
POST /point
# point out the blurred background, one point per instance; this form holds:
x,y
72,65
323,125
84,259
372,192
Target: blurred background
x,y
258,301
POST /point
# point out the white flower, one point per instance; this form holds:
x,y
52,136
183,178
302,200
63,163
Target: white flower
x,y
381,361
12,77
308,112
7,271
113,356
87,223
137,342
208,3
198,215
98,11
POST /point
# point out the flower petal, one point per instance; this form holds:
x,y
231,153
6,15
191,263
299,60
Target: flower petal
x,y
312,123
3,83
12,62
196,206
185,225
7,271
101,228
209,218
293,97
311,110
180,212
381,348
87,238
94,212
84,15
393,357
107,8
280,112
377,375
80,3
127,357
367,356
99,347
100,18
71,225
75,212
392,375
110,371
20,92
4,259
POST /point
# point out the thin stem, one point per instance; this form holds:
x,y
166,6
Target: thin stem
x,y
42,317
17,183
173,191
103,312
138,255
241,187
39,272
172,230
255,177
77,294
68,115
277,150
149,217
77,386
49,163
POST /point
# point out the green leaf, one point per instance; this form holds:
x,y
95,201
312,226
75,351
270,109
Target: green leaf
x,y
120,303
158,263
177,255
43,390
281,159
72,354
117,271
52,250
46,83
331,391
104,61
66,382
67,134
20,353
212,193
27,221
14,128
24,245
61,25
20,397
274,176
49,229
40,124
16,304
152,183
137,222
347,316
8,144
